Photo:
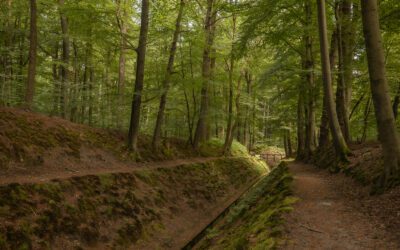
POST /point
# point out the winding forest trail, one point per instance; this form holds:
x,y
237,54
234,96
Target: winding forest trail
x,y
326,218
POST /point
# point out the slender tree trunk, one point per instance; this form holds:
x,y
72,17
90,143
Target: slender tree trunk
x,y
56,87
285,143
246,127
74,88
348,42
231,68
289,143
379,87
30,87
396,103
367,111
65,60
324,127
340,144
139,81
300,126
90,94
356,105
341,91
309,77
122,15
201,129
167,80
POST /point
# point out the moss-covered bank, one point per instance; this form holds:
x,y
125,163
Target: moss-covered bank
x,y
117,211
255,222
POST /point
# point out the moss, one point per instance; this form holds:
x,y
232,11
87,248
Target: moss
x,y
78,207
257,216
106,181
129,233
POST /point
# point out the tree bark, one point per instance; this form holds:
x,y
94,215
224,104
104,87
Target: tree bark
x,y
167,80
122,15
388,135
65,60
308,65
300,125
201,129
396,103
340,144
344,79
231,68
139,81
365,120
324,127
289,142
30,88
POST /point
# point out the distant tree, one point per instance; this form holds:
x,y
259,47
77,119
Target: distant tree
x,y
30,87
139,81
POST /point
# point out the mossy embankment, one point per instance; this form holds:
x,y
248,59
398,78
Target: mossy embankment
x,y
145,209
255,222
365,164
31,141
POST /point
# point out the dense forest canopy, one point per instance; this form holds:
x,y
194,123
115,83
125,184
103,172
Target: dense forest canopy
x,y
268,72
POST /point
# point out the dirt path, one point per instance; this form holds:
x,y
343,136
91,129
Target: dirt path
x,y
325,218
68,172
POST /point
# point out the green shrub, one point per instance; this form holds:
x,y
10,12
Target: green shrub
x,y
214,147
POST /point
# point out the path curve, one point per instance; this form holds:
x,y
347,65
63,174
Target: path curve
x,y
325,219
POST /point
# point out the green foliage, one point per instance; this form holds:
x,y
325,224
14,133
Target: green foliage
x,y
214,147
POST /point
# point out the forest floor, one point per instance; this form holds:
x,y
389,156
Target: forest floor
x,y
335,212
43,175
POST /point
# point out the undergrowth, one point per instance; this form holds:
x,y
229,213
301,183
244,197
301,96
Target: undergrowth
x,y
255,222
214,148
114,211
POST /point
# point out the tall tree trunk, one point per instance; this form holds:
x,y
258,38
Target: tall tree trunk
x,y
340,144
167,79
90,94
324,127
65,60
289,142
56,87
285,143
348,42
309,77
74,88
300,125
246,127
122,16
379,87
30,88
140,64
341,91
201,129
231,69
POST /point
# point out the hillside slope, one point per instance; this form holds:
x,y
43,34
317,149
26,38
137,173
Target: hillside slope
x,y
33,144
69,186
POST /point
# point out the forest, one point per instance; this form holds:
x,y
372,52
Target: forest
x,y
209,117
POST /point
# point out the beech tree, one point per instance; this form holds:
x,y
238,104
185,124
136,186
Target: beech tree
x,y
388,135
341,147
30,87
139,81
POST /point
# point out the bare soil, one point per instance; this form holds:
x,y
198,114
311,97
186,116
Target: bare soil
x,y
335,212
